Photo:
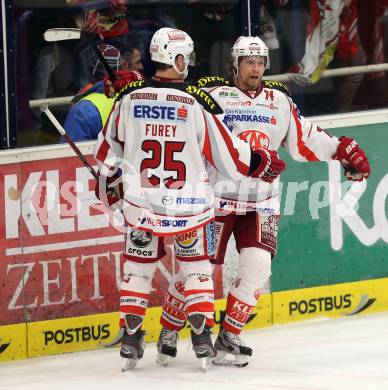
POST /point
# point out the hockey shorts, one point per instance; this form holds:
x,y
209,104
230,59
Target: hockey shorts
x,y
194,245
249,230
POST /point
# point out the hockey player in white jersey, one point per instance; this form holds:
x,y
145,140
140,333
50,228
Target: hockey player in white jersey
x,y
158,135
263,114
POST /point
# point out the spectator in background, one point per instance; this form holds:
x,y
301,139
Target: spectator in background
x,y
130,60
134,59
332,31
88,115
372,26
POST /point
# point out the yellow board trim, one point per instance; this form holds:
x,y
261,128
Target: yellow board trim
x,y
13,342
346,299
93,331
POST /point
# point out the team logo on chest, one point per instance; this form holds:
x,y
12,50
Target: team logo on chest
x,y
255,138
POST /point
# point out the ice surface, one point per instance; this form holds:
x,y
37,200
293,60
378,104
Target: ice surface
x,y
346,353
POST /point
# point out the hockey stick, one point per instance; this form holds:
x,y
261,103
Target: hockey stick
x,y
64,34
44,108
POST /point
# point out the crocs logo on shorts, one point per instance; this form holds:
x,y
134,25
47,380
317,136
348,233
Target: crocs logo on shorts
x,y
140,239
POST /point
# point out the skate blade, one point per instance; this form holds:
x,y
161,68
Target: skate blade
x,y
116,340
163,360
206,363
229,360
128,364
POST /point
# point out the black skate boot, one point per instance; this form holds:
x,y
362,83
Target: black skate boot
x,y
201,339
229,343
167,346
132,345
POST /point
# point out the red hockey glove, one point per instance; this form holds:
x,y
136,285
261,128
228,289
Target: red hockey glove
x,y
109,190
270,165
123,77
353,159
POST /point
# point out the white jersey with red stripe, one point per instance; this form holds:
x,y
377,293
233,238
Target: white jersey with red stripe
x,y
158,137
266,118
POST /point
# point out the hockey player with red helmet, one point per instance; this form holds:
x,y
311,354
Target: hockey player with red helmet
x,y
159,135
263,114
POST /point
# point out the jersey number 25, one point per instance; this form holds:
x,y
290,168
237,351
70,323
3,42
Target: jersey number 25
x,y
170,164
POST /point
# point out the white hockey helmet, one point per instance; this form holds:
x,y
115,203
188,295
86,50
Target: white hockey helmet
x,y
167,43
249,46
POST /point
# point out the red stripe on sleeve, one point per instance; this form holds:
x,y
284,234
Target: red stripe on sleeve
x,y
107,121
102,151
121,143
241,167
302,148
104,147
207,150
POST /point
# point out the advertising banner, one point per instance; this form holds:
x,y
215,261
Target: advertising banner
x,y
333,230
346,299
60,250
97,331
13,342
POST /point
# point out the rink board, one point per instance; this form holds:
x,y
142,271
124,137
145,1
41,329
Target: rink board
x,y
346,299
95,331
64,264
61,252
13,342
334,231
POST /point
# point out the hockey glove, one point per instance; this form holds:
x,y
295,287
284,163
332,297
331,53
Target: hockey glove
x,y
269,165
123,77
109,190
353,159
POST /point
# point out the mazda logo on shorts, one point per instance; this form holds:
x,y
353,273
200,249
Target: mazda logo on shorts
x,y
140,239
167,200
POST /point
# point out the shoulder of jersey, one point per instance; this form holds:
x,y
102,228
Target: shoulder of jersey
x,y
192,89
273,84
195,89
132,86
211,82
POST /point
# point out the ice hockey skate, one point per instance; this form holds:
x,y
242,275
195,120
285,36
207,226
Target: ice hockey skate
x,y
132,345
201,340
230,350
167,346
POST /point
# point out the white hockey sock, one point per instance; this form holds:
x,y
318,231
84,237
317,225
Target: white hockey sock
x,y
135,288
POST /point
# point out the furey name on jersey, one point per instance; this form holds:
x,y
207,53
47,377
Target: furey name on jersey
x,y
158,113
